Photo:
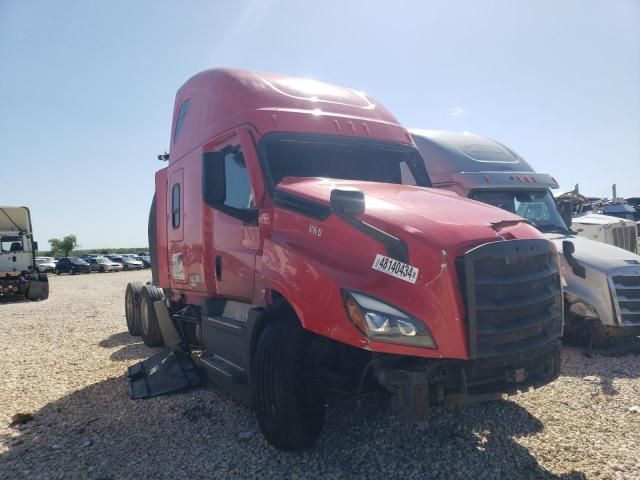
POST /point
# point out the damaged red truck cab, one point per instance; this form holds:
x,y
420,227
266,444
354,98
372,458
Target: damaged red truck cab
x,y
298,250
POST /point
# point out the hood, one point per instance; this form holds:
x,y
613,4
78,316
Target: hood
x,y
599,255
599,219
13,219
445,219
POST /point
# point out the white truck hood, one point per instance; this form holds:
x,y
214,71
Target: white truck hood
x,y
602,256
13,219
598,219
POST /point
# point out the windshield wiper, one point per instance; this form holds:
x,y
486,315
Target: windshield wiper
x,y
553,229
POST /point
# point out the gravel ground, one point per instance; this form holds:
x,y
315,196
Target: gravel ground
x,y
63,361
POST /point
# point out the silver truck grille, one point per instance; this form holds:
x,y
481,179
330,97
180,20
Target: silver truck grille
x,y
626,293
625,237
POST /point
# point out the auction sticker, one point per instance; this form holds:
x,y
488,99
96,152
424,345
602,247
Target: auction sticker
x,y
395,268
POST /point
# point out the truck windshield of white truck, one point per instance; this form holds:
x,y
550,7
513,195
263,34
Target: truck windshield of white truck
x,y
537,206
10,244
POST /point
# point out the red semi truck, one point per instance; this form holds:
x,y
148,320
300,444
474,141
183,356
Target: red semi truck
x,y
297,250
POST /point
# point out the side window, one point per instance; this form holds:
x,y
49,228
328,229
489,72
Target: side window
x,y
238,187
175,206
184,108
406,175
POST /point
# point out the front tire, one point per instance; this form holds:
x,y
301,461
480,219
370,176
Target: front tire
x,y
150,328
132,308
287,398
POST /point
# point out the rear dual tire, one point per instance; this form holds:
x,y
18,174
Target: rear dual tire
x,y
132,307
150,328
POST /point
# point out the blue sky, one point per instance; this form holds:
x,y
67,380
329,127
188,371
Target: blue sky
x,y
87,87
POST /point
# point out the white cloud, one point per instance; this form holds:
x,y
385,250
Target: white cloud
x,y
456,111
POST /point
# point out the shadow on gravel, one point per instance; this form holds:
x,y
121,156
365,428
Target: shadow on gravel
x,y
98,432
117,339
603,367
132,348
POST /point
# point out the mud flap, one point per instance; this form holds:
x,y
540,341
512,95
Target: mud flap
x,y
170,335
38,287
164,372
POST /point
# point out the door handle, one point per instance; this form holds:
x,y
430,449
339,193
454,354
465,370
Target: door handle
x,y
218,267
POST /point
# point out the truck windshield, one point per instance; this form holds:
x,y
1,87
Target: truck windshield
x,y
536,206
300,155
10,244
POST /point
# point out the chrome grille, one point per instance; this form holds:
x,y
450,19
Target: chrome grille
x,y
625,237
626,292
513,296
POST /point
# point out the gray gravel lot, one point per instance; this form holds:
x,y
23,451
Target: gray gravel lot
x,y
63,360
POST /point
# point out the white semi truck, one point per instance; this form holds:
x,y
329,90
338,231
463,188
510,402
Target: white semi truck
x,y
601,281
18,276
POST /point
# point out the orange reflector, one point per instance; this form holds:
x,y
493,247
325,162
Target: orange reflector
x,y
354,313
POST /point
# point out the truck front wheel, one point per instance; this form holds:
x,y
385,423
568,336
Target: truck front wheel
x,y
150,331
287,398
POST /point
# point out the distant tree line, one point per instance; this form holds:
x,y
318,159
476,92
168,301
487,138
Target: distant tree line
x,y
68,245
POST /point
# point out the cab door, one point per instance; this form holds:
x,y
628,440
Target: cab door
x,y
230,193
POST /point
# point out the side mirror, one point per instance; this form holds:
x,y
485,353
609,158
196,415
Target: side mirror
x,y
34,246
347,201
214,189
565,209
568,249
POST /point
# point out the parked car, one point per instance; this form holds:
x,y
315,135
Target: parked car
x,y
132,263
102,264
146,260
45,264
127,262
72,265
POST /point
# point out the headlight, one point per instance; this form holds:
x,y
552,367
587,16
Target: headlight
x,y
380,321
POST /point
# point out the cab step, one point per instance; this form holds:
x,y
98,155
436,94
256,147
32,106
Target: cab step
x,y
223,369
226,375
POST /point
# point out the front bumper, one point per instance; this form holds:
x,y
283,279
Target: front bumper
x,y
416,383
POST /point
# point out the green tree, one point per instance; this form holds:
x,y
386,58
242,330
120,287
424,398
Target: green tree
x,y
63,247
